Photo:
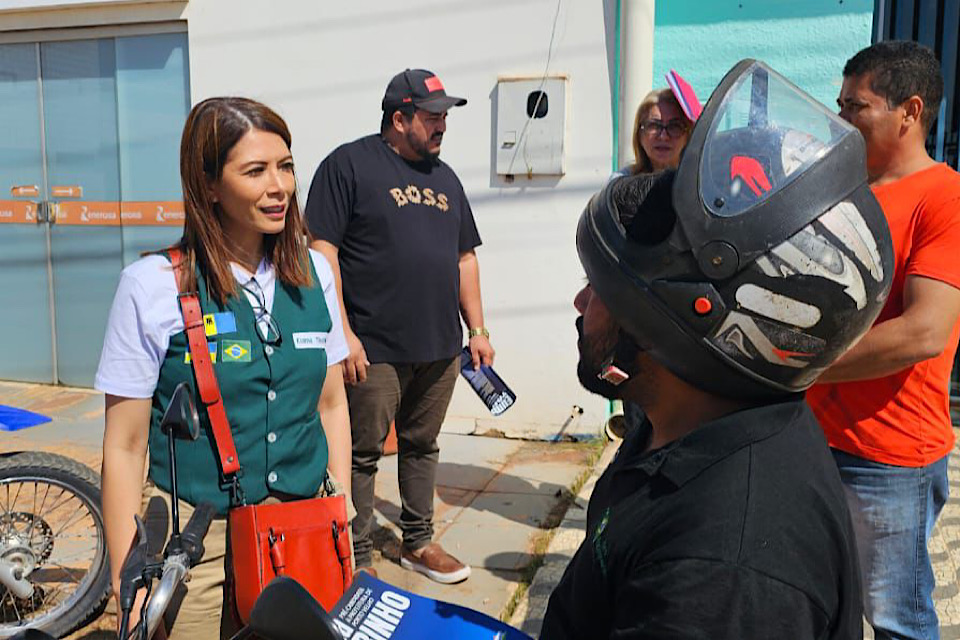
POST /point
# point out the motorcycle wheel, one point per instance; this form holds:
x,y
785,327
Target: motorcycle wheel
x,y
51,526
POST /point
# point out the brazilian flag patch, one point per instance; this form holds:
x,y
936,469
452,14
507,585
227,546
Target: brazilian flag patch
x,y
235,351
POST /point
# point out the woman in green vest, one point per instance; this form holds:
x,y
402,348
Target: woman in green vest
x,y
274,333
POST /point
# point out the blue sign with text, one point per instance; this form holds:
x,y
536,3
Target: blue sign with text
x,y
375,610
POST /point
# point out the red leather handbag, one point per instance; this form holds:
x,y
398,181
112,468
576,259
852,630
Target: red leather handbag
x,y
306,540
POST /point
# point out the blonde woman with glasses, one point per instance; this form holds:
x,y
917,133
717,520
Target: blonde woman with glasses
x,y
660,133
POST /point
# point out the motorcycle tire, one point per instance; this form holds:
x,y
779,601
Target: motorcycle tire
x,y
73,489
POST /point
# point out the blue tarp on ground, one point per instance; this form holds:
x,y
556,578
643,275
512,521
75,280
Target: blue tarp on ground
x,y
13,419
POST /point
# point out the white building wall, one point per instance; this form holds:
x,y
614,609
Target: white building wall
x,y
323,65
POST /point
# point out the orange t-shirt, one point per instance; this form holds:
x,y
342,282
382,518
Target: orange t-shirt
x,y
904,419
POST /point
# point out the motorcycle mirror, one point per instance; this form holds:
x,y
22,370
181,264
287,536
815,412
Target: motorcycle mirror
x,y
181,417
286,611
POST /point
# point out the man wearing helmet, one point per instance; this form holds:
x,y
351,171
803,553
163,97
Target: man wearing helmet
x,y
884,405
716,295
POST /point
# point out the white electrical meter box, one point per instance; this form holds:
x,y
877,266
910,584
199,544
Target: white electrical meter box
x,y
531,125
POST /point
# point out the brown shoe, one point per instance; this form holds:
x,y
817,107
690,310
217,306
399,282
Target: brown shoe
x,y
435,563
370,571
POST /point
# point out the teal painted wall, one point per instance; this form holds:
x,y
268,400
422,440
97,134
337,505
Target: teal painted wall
x,y
808,41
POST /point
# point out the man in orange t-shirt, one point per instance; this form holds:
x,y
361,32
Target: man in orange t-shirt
x,y
885,404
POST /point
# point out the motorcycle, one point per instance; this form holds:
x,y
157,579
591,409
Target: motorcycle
x,y
184,549
54,572
284,611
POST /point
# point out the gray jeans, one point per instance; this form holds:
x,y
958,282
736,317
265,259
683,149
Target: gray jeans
x,y
416,396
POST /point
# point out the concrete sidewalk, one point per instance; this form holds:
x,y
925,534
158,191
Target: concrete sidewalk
x,y
496,498
528,616
945,553
498,504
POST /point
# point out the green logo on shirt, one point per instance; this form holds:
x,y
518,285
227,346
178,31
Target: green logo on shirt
x,y
235,351
600,550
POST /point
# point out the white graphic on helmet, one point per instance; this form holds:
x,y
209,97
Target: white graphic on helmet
x,y
776,306
742,335
845,222
766,265
812,255
736,338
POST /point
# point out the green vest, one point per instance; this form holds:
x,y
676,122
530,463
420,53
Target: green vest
x,y
270,393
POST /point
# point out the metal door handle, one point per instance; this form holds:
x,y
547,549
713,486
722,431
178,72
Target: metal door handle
x,y
25,191
46,211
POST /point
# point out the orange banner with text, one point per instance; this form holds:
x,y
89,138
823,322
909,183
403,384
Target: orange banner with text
x,y
109,214
18,212
152,214
102,214
129,214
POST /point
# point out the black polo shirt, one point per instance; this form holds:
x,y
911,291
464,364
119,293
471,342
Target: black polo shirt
x,y
738,530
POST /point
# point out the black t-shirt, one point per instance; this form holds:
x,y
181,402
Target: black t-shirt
x,y
400,228
738,530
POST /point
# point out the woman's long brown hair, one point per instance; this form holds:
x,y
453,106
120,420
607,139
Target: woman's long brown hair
x,y
212,129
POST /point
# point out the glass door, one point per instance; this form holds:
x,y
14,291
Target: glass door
x,y
80,125
153,98
89,181
26,337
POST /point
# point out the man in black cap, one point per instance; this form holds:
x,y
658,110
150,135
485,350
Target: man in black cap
x,y
394,223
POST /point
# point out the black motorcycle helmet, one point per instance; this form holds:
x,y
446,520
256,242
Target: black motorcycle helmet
x,y
755,265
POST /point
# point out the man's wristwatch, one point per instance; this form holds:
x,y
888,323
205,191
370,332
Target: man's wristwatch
x,y
478,331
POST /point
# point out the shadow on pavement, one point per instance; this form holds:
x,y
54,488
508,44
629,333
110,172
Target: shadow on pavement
x,y
492,562
485,490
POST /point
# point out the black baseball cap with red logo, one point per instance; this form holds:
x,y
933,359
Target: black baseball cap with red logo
x,y
422,89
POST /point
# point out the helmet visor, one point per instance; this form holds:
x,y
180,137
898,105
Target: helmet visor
x,y
766,133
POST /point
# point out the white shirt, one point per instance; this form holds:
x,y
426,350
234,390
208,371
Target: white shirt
x,y
145,314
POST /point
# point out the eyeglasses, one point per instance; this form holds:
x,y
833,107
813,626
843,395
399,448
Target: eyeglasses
x,y
653,128
267,327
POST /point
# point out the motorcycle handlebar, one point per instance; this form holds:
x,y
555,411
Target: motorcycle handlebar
x,y
131,572
196,530
178,563
175,569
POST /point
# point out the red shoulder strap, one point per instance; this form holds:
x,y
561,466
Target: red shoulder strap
x,y
203,369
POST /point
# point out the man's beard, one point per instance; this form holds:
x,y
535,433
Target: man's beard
x,y
593,353
422,149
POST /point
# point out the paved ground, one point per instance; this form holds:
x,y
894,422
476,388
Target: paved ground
x,y
945,551
495,498
528,616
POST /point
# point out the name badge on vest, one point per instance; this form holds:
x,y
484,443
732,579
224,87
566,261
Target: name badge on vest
x,y
310,340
